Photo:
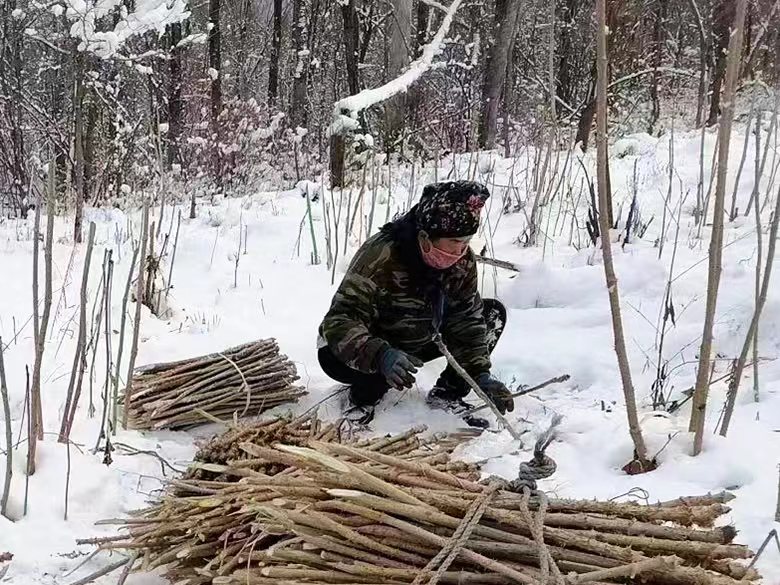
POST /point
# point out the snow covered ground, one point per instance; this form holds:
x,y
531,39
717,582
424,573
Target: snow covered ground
x,y
558,323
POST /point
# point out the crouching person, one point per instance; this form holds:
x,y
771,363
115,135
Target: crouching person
x,y
417,277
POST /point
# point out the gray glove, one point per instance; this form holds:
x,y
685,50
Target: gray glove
x,y
399,368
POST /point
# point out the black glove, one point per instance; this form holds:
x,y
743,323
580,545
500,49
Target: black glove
x,y
497,392
399,368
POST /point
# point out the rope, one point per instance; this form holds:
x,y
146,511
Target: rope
x,y
547,564
541,466
449,552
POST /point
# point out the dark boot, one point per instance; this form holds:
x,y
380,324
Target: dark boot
x,y
451,388
358,410
442,398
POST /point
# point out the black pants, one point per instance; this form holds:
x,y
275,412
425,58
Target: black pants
x,y
366,389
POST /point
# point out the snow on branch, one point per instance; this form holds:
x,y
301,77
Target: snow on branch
x,y
346,110
147,16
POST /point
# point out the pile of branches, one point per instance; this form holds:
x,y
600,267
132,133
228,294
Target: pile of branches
x,y
246,380
321,507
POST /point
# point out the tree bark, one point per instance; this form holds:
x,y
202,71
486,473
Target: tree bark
x,y
400,24
351,44
722,17
716,240
704,52
421,27
175,102
506,17
660,16
276,44
215,66
78,147
640,450
300,91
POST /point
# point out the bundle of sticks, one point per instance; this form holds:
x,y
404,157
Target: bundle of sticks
x,y
242,381
320,507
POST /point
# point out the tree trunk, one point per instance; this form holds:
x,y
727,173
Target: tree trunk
x,y
300,91
276,44
660,16
351,44
215,66
506,20
421,26
722,17
640,450
585,124
11,85
78,147
716,241
400,34
175,102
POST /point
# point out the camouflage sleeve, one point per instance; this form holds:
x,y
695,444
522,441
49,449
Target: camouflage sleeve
x,y
346,327
464,330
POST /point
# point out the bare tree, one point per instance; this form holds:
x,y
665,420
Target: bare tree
x,y
69,411
9,440
300,94
716,241
78,147
215,72
276,47
139,301
723,15
36,407
400,25
507,12
641,462
175,102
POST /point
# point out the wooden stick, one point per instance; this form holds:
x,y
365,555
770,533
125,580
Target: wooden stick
x,y
139,299
67,418
9,439
630,571
556,380
475,387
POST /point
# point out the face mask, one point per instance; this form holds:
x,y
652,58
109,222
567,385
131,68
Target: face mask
x,y
437,258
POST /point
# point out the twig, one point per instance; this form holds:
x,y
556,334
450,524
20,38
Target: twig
x,y
497,263
77,372
101,572
128,567
772,535
475,387
139,297
173,256
134,451
8,436
122,325
524,391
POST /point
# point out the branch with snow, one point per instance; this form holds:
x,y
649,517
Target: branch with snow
x,y
346,110
148,16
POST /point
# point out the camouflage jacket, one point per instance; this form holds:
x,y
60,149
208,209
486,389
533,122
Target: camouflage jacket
x,y
389,298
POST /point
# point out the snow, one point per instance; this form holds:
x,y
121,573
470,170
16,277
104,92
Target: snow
x,y
558,322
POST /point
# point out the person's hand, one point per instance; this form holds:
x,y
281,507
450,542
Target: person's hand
x,y
497,392
399,368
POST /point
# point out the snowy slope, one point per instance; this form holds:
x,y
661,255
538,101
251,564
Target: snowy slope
x,y
558,323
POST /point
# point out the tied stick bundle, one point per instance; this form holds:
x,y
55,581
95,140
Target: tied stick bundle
x,y
245,381
326,508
